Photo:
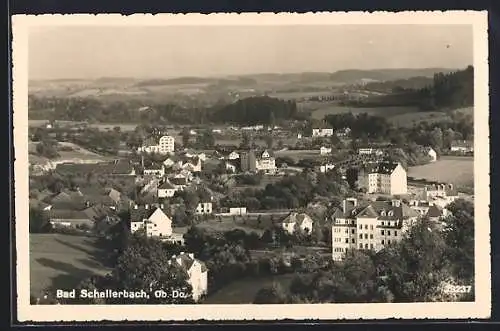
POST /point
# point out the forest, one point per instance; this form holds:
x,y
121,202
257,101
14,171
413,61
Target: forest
x,y
445,91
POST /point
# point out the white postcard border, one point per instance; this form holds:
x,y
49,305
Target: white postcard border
x,y
40,313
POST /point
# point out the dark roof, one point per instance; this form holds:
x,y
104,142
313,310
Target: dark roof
x,y
382,210
166,185
69,214
178,181
385,168
434,211
140,214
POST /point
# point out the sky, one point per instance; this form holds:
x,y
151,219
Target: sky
x,y
88,52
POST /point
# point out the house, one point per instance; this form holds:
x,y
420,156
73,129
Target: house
x,y
369,226
441,194
155,170
233,155
179,181
231,166
325,150
83,218
152,220
326,167
237,211
266,162
192,154
297,221
431,153
299,135
149,146
318,132
370,151
342,133
197,273
191,164
166,190
384,177
204,208
169,162
462,146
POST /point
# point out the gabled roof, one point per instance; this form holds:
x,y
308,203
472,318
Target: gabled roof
x,y
435,211
298,218
69,214
178,181
186,262
166,185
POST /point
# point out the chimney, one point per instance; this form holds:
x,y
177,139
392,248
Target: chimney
x,y
136,206
191,255
146,206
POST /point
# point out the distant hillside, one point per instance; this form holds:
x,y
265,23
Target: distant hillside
x,y
446,90
176,81
353,76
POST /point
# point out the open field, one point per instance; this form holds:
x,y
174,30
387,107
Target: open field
x,y
225,224
69,152
450,169
387,112
244,291
62,261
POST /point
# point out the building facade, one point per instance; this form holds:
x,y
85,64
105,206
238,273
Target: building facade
x,y
385,178
318,132
370,226
152,220
197,273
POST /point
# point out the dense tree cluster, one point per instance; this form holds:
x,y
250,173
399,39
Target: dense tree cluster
x,y
445,91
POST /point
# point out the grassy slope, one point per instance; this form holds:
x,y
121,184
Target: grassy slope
x,y
62,261
456,170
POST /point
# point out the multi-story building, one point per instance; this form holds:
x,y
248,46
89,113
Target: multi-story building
x,y
319,132
197,273
325,150
385,178
369,226
165,145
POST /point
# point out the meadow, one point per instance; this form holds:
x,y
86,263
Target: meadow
x,y
334,109
449,169
62,261
244,291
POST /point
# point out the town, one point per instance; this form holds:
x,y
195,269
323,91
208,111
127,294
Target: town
x,y
257,202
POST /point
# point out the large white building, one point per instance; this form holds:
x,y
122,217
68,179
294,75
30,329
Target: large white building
x,y
197,273
385,178
369,226
322,132
165,145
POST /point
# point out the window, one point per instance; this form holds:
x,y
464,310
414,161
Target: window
x,y
360,246
366,226
382,242
366,235
360,236
383,223
366,246
395,233
346,240
371,227
361,227
371,236
371,246
382,232
346,230
352,231
388,241
353,240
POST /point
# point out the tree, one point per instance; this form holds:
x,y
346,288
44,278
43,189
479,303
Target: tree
x,y
269,141
413,268
47,149
459,237
185,135
39,221
273,294
206,139
146,265
246,142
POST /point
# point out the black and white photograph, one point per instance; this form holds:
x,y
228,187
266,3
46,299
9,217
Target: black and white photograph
x,y
190,167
